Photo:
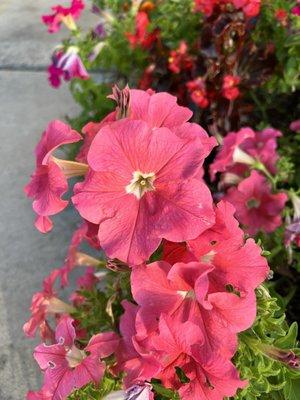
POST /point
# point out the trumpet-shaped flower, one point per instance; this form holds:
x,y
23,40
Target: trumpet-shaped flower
x,y
66,65
65,15
48,183
142,187
67,367
256,207
44,303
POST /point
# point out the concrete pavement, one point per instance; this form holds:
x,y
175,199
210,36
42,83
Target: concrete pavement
x,y
27,103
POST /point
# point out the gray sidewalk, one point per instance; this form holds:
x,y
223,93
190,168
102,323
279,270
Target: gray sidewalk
x,y
27,103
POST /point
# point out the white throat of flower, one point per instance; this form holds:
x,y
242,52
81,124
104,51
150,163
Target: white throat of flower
x,y
75,356
141,183
240,156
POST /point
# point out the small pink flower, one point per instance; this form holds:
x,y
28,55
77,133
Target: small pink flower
x,y
230,88
296,9
282,16
63,14
256,207
229,153
140,189
242,149
66,367
48,182
68,66
44,303
198,92
179,59
295,125
251,8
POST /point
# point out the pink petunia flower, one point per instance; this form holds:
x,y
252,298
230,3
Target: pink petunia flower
x,y
65,15
142,187
244,148
49,181
66,367
66,66
43,394
210,376
44,303
179,59
296,9
230,88
256,207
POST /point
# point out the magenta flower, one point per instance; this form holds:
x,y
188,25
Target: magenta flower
x,y
244,148
44,303
256,207
296,9
67,15
67,367
66,65
143,187
49,180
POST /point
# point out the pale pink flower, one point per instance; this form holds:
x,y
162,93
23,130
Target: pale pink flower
x,y
142,187
49,181
67,367
66,15
257,208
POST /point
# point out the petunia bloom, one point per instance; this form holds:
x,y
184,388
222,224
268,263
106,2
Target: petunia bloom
x,y
66,65
230,88
67,367
65,15
44,303
296,9
49,181
142,187
256,207
244,148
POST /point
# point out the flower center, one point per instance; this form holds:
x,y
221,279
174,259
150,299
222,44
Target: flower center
x,y
141,183
253,203
75,356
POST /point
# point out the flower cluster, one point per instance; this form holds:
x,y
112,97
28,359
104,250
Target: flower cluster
x,y
142,196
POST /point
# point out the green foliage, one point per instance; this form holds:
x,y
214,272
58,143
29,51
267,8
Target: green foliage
x,y
176,21
269,378
91,392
